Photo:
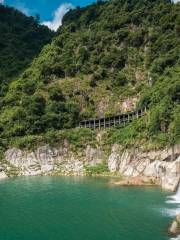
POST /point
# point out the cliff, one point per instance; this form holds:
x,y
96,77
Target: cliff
x,y
162,166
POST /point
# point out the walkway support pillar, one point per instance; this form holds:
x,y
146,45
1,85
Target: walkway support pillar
x,y
114,120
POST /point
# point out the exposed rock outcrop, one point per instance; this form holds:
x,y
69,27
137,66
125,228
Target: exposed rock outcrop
x,y
157,166
174,229
93,156
154,164
44,160
136,181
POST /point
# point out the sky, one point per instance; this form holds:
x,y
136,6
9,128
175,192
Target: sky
x,y
50,11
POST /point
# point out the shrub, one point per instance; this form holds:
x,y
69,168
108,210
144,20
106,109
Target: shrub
x,y
97,170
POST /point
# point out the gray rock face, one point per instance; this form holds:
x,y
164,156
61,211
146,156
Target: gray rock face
x,y
44,160
129,162
156,164
94,156
174,229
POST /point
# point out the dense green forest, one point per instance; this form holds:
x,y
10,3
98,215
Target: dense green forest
x,y
102,55
21,39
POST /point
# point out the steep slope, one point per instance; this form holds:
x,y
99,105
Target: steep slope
x,y
107,58
21,39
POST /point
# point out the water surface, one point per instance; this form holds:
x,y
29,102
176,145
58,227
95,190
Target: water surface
x,y
77,208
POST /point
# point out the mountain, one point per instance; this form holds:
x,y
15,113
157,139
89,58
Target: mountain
x,y
21,39
107,58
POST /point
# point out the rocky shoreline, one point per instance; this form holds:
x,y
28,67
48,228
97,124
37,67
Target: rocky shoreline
x,y
135,166
137,181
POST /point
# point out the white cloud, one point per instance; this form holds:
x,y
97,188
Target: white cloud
x,y
57,16
1,1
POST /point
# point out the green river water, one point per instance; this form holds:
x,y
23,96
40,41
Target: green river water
x,y
81,208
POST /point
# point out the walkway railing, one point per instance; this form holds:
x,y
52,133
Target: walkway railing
x,y
121,119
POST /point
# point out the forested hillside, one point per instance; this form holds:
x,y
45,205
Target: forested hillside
x,y
107,58
21,39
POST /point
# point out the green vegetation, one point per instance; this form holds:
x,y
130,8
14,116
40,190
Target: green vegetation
x,y
77,138
102,56
97,170
21,39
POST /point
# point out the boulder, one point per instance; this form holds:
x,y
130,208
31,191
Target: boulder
x,y
174,229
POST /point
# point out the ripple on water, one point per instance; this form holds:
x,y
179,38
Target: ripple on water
x,y
178,238
174,201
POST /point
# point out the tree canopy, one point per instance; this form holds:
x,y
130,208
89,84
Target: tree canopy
x,y
21,39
